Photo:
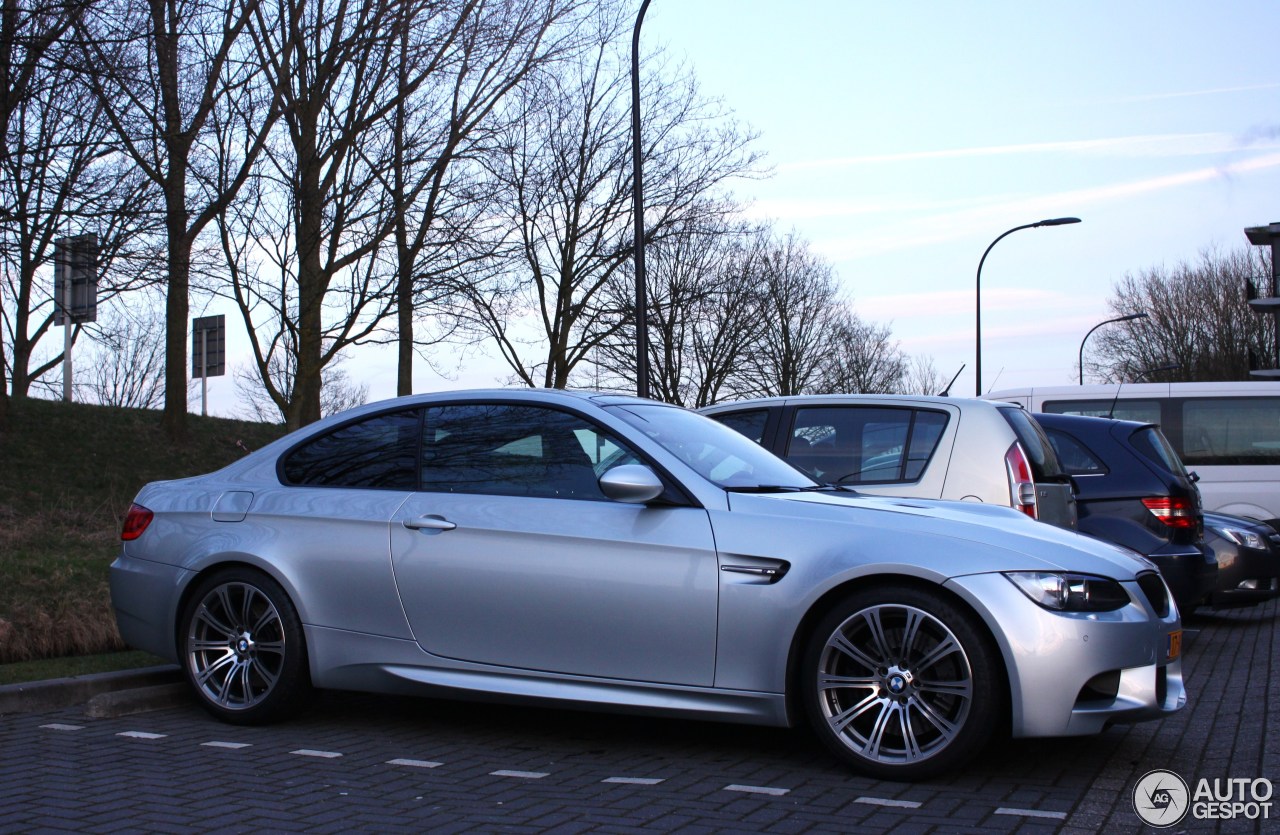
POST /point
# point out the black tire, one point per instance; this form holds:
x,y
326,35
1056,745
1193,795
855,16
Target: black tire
x,y
902,683
243,649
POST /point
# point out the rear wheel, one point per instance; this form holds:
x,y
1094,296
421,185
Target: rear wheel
x,y
902,683
243,649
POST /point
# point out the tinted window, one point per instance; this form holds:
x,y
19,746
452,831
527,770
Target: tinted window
x,y
1044,463
864,444
1142,411
749,423
1075,457
1241,430
1153,445
515,451
715,452
379,452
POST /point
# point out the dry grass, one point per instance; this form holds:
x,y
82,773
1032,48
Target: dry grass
x,y
68,475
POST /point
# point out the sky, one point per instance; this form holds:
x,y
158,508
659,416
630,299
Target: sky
x,y
903,138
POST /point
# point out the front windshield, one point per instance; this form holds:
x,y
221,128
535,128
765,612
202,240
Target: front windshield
x,y
718,453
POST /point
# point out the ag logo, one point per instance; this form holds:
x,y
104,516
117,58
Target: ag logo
x,y
1161,798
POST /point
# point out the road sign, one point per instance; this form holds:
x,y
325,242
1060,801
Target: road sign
x,y
208,346
75,279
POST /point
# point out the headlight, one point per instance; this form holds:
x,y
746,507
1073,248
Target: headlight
x,y
1064,592
1242,537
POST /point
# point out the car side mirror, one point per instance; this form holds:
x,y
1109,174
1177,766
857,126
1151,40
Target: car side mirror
x,y
631,483
1195,476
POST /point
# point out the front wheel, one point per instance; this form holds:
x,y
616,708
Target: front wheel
x,y
242,648
902,683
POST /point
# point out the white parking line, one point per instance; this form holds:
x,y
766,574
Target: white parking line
x,y
634,781
307,752
884,801
1032,813
58,726
415,763
234,746
769,790
527,775
141,735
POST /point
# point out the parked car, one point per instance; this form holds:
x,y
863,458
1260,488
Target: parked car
x,y
1132,489
1248,555
603,550
898,445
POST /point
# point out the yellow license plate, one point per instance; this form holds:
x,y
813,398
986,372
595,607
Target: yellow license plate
x,y
1175,645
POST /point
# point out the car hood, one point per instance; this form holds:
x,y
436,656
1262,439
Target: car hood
x,y
982,537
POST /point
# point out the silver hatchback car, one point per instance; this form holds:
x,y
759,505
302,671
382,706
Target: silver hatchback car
x,y
913,445
610,551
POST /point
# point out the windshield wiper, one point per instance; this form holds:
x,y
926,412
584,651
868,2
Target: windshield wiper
x,y
775,488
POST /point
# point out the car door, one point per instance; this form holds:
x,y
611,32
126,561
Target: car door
x,y
511,556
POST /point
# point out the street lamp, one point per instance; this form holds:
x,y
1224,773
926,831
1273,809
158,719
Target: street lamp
x,y
1128,318
1057,221
637,208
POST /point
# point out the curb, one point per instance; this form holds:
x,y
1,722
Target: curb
x,y
33,696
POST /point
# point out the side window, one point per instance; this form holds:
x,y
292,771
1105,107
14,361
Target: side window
x,y
1075,457
1231,430
1143,411
749,423
380,452
515,451
864,444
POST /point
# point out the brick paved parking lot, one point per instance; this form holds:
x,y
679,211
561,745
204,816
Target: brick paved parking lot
x,y
359,762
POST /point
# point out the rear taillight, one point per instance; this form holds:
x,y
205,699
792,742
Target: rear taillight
x,y
135,522
1176,513
1022,486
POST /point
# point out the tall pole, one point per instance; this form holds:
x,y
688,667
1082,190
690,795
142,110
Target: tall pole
x,y
642,300
1128,318
67,307
977,293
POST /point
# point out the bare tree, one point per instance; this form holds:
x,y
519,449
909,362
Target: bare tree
x,y
1198,320
27,31
338,392
861,358
703,311
126,364
800,315
165,72
456,63
921,377
563,166
59,176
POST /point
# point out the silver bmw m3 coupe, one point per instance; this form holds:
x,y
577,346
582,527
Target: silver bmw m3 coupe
x,y
603,550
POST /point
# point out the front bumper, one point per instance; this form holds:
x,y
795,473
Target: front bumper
x,y
1077,673
1190,572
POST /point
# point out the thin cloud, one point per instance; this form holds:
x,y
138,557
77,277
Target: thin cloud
x,y
1163,145
960,225
1191,93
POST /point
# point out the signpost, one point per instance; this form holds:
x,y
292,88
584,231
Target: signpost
x,y
208,353
75,292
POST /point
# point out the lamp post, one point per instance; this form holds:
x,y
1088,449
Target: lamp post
x,y
1057,221
637,193
1128,318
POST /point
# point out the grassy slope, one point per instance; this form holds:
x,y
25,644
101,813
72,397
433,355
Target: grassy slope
x,y
67,475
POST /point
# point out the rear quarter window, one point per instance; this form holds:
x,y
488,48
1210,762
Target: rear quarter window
x,y
1044,461
380,452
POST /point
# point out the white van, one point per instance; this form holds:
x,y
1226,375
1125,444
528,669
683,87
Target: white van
x,y
1228,433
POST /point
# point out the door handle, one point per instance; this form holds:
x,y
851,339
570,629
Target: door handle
x,y
430,523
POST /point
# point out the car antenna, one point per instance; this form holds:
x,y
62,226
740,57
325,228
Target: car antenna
x,y
946,392
1111,413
